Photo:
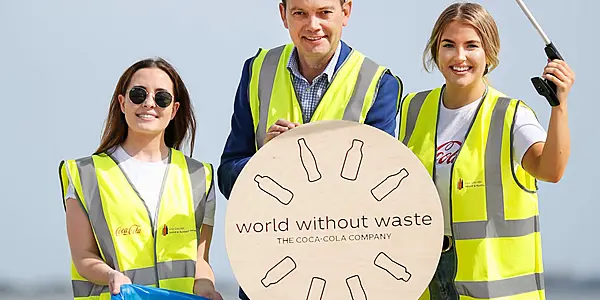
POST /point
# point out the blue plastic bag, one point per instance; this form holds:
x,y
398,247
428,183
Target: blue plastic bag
x,y
140,292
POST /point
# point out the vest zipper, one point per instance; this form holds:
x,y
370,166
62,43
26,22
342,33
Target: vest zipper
x,y
455,269
153,229
153,226
331,80
155,232
453,249
433,172
440,103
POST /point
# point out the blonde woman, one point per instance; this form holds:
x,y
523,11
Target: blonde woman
x,y
485,150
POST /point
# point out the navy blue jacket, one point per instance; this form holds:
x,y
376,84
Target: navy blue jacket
x,y
240,145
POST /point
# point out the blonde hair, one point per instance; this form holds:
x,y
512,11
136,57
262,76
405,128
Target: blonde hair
x,y
474,15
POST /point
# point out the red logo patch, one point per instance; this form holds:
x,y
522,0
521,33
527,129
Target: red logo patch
x,y
448,152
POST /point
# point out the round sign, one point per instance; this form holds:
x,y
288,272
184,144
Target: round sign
x,y
334,210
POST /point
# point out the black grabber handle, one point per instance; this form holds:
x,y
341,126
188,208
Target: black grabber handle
x,y
546,87
552,52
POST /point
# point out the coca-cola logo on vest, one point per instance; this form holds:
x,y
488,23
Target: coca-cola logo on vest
x,y
130,230
447,152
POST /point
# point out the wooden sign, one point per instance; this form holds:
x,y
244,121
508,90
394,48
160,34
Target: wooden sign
x,y
334,210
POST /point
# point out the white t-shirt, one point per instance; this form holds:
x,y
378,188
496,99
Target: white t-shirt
x,y
147,178
452,128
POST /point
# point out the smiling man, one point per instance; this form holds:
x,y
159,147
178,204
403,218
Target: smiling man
x,y
316,77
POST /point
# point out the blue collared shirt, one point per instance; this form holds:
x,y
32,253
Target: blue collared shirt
x,y
309,95
241,144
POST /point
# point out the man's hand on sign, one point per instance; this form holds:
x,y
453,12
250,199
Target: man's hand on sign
x,y
278,128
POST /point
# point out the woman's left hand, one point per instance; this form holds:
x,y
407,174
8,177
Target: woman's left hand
x,y
206,289
559,72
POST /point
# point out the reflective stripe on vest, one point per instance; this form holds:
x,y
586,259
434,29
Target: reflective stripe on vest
x,y
143,276
497,241
347,100
200,190
175,274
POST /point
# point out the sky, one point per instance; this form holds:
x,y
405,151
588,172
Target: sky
x,y
61,61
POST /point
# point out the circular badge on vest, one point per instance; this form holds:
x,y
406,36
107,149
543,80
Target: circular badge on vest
x,y
334,210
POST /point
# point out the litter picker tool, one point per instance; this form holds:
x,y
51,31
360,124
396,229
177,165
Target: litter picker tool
x,y
544,87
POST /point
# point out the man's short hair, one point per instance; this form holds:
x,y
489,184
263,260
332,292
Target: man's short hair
x,y
284,2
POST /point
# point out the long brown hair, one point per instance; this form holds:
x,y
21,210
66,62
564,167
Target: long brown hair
x,y
475,15
182,127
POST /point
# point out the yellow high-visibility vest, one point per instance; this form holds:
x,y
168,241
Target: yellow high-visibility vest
x,y
493,202
161,254
272,96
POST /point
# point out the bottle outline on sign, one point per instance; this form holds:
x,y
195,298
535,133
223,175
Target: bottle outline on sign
x,y
389,184
309,162
397,270
357,291
279,271
352,160
316,288
274,189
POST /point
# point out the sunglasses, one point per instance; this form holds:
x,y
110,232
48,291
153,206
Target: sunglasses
x,y
138,95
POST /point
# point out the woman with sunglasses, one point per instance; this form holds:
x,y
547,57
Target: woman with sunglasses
x,y
135,209
485,152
